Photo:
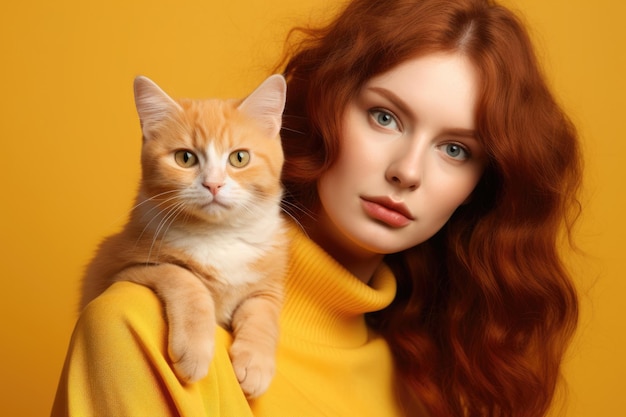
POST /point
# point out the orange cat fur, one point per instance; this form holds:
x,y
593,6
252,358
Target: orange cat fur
x,y
206,233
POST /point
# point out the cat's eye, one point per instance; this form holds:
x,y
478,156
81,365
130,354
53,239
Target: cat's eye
x,y
185,158
239,159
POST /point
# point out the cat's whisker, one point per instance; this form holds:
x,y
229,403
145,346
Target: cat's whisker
x,y
156,207
249,207
154,197
159,208
292,130
159,201
295,220
261,197
147,225
297,119
126,213
294,116
172,218
294,208
290,208
168,220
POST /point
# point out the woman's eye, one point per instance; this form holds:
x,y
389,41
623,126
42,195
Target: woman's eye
x,y
185,158
239,159
456,151
385,119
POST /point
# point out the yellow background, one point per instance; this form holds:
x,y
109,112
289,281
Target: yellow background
x,y
70,143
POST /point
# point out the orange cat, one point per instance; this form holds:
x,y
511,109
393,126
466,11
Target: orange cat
x,y
206,233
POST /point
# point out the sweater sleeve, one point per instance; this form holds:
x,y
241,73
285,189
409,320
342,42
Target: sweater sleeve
x,y
117,365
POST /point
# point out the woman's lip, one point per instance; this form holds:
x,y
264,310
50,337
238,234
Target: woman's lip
x,y
384,209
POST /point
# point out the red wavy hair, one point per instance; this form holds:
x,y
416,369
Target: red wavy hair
x,y
485,309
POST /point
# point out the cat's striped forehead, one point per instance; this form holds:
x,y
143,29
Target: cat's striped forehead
x,y
219,124
206,121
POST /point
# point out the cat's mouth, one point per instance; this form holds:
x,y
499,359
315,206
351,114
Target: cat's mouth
x,y
215,204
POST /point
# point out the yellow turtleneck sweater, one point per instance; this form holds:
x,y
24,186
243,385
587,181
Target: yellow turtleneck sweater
x,y
328,362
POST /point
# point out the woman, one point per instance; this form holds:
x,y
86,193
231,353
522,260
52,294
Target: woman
x,y
431,171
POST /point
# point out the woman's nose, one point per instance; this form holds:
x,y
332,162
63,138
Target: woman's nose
x,y
405,171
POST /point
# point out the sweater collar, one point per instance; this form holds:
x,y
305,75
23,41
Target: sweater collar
x,y
325,303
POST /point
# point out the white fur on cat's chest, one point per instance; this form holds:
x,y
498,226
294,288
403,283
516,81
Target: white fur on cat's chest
x,y
228,250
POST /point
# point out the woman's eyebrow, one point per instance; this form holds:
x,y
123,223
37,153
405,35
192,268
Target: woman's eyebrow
x,y
466,133
392,97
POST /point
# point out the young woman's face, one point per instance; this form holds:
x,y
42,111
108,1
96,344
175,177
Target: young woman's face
x,y
408,158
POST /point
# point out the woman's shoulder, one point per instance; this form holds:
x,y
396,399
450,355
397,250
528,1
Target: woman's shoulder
x,y
126,306
123,299
124,309
120,345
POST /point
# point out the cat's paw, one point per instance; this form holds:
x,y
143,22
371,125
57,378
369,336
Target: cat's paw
x,y
254,369
191,357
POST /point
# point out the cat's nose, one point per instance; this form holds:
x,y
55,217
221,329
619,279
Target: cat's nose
x,y
213,187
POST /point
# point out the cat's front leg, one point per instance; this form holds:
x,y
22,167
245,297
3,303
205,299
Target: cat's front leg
x,y
190,313
253,352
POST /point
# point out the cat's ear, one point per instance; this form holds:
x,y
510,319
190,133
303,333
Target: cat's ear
x,y
266,104
153,105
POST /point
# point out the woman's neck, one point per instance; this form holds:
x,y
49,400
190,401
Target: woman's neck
x,y
360,262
